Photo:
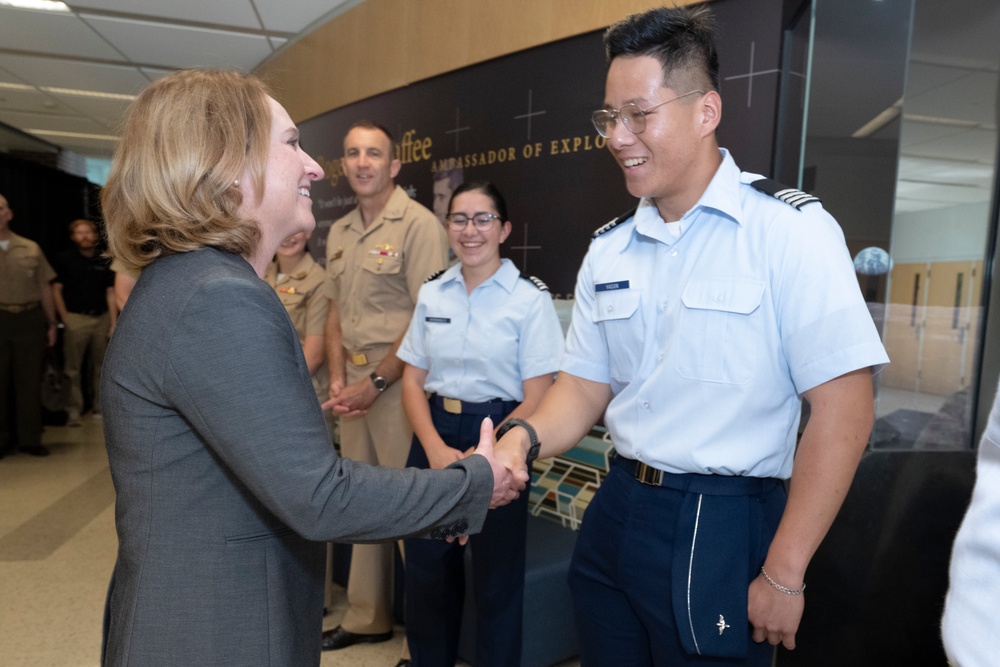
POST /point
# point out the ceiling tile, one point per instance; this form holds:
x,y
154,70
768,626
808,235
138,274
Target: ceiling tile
x,y
49,32
968,95
32,101
175,46
967,146
105,111
55,73
222,12
952,194
294,17
56,122
928,170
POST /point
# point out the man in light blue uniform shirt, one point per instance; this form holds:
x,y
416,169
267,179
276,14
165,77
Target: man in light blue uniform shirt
x,y
702,320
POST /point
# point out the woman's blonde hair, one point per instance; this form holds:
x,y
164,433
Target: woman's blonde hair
x,y
174,183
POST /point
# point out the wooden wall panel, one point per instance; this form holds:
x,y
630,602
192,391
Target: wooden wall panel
x,y
381,45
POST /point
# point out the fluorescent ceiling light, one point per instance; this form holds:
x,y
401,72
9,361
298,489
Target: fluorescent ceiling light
x,y
938,120
73,135
43,5
68,91
882,119
87,93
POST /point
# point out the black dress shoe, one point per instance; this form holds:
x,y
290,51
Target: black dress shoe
x,y
36,450
340,638
403,662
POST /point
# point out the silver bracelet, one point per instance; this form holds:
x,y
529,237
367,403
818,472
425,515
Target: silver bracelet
x,y
783,589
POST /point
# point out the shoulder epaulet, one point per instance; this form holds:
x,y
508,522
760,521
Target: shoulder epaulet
x,y
614,223
790,196
435,275
537,282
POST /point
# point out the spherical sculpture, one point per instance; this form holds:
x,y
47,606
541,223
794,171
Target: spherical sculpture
x,y
872,261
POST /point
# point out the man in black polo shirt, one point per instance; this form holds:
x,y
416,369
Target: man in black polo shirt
x,y
85,301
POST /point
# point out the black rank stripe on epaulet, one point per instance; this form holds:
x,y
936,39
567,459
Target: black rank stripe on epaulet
x,y
537,282
614,223
790,196
435,275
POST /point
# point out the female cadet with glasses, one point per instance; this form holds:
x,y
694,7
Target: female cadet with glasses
x,y
226,482
484,341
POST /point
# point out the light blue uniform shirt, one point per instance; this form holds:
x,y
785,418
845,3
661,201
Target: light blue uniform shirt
x,y
481,346
709,338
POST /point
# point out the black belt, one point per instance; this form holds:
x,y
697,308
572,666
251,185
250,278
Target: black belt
x,y
713,485
458,407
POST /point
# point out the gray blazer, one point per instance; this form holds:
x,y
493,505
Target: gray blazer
x,y
226,479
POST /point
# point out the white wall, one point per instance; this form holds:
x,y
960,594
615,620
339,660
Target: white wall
x,y
940,235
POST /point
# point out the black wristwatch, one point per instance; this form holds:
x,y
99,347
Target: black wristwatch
x,y
379,382
532,436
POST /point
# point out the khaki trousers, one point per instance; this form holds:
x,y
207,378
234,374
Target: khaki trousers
x,y
83,332
381,437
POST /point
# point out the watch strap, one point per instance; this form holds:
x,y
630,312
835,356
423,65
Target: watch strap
x,y
535,445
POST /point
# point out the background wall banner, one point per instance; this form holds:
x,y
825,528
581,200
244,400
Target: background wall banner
x,y
523,122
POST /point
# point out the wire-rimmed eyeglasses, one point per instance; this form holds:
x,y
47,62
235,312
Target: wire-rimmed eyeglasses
x,y
457,222
633,117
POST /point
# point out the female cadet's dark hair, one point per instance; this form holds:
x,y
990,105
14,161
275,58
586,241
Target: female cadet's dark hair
x,y
487,189
682,39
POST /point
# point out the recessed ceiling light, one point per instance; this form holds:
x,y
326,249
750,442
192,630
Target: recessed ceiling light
x,y
43,5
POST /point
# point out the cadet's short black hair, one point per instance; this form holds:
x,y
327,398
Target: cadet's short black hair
x,y
681,38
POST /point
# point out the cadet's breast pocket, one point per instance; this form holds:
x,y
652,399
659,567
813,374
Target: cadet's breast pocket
x,y
617,313
291,300
29,264
717,336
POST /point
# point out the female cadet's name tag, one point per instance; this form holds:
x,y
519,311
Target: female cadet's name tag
x,y
607,287
438,320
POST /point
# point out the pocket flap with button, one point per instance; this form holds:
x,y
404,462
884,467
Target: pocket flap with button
x,y
615,305
725,294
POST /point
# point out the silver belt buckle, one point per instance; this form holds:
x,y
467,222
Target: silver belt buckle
x,y
648,474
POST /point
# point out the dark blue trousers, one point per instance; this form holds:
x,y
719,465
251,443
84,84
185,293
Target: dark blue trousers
x,y
644,595
435,571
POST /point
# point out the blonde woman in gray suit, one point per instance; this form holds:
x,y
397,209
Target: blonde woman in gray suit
x,y
226,482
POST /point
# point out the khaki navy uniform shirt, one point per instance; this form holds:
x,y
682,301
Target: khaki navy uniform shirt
x,y
23,272
305,294
376,274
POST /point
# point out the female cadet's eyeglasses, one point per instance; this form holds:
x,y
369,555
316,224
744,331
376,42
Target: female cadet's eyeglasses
x,y
633,117
457,222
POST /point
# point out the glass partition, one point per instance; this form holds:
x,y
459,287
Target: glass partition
x,y
900,142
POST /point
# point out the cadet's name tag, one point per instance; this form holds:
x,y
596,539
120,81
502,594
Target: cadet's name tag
x,y
607,287
438,320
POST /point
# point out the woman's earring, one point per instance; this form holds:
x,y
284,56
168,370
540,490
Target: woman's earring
x,y
236,182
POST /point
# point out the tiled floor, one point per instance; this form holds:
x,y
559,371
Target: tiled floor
x,y
57,550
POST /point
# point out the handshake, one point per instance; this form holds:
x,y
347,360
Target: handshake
x,y
508,461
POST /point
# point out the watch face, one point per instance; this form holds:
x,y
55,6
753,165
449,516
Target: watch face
x,y
379,381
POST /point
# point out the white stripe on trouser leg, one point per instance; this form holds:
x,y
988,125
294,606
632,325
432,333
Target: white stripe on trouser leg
x,y
694,539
